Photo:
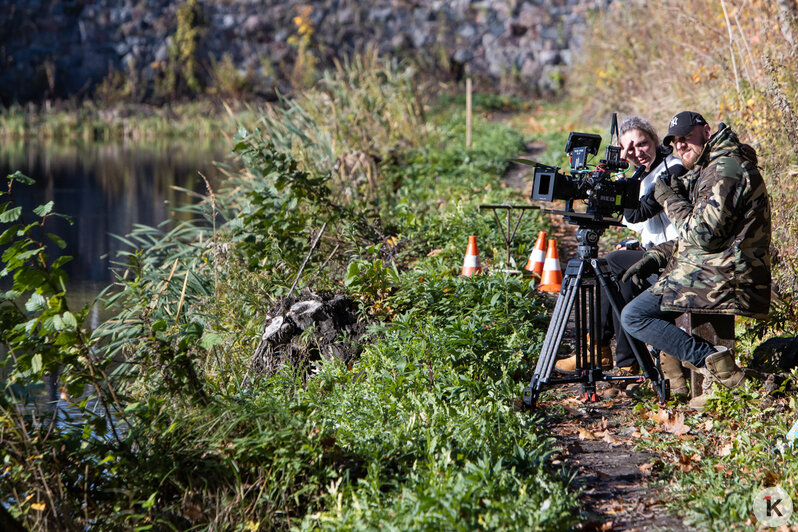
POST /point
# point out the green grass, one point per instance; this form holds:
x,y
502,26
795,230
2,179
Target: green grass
x,y
422,431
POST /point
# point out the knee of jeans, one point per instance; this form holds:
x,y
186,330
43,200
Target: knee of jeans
x,y
629,320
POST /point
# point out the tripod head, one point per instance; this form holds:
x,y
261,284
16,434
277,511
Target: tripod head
x,y
591,227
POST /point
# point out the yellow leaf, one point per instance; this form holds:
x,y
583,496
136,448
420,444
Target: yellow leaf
x,y
38,506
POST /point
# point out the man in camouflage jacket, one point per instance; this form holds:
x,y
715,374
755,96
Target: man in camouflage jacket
x,y
720,262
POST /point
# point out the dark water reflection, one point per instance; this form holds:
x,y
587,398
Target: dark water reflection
x,y
107,189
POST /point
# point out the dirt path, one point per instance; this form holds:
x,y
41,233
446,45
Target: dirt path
x,y
597,440
597,443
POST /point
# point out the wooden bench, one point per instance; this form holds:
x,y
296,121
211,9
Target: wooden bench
x,y
718,329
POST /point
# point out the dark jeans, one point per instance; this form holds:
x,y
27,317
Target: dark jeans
x,y
643,319
619,261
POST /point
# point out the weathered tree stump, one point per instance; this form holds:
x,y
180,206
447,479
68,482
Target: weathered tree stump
x,y
314,326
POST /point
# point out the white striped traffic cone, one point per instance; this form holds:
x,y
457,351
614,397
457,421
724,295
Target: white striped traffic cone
x,y
471,262
538,256
552,275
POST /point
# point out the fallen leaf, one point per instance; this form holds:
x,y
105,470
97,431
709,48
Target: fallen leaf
x,y
675,425
609,438
660,416
685,463
434,252
586,434
726,449
771,479
646,468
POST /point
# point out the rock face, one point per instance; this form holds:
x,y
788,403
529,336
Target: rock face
x,y
314,326
58,49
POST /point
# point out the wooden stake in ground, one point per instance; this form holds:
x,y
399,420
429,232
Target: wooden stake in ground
x,y
468,112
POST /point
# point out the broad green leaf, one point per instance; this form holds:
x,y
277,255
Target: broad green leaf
x,y
60,261
43,210
60,242
11,215
36,303
21,178
69,320
352,272
36,363
8,234
11,295
193,330
210,340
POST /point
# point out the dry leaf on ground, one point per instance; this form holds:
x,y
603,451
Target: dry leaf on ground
x,y
586,434
675,425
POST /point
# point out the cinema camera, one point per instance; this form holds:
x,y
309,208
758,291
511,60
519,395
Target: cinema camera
x,y
604,195
588,278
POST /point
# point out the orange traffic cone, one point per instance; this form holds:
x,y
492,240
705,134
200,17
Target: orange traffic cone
x,y
552,275
538,256
471,262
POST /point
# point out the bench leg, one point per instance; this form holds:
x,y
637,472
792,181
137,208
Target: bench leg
x,y
718,329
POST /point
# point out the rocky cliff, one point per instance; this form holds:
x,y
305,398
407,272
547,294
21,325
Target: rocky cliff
x,y
59,49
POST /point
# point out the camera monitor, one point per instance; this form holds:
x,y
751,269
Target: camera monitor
x,y
589,141
579,146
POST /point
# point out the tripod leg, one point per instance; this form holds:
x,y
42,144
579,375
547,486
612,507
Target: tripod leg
x,y
554,334
644,356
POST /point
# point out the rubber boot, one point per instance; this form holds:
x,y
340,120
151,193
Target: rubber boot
x,y
719,367
672,369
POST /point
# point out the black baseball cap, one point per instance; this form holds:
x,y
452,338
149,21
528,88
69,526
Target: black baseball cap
x,y
681,124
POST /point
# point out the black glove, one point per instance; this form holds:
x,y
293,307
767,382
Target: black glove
x,y
641,270
662,191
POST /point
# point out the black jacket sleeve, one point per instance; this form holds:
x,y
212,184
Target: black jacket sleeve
x,y
649,207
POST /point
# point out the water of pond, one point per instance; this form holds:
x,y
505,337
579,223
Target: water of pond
x,y
106,189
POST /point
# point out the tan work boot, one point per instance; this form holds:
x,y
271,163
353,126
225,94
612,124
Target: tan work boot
x,y
568,365
718,367
672,370
707,393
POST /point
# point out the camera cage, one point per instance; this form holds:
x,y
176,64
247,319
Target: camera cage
x,y
604,193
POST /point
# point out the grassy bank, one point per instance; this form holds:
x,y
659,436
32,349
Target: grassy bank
x,y
365,188
87,122
421,429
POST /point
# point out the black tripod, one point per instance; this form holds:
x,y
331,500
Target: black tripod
x,y
580,292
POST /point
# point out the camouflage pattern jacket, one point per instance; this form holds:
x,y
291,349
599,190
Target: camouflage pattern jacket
x,y
720,262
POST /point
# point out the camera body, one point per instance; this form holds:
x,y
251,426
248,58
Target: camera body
x,y
603,195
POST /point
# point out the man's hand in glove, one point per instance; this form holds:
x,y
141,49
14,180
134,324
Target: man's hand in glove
x,y
641,270
662,191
